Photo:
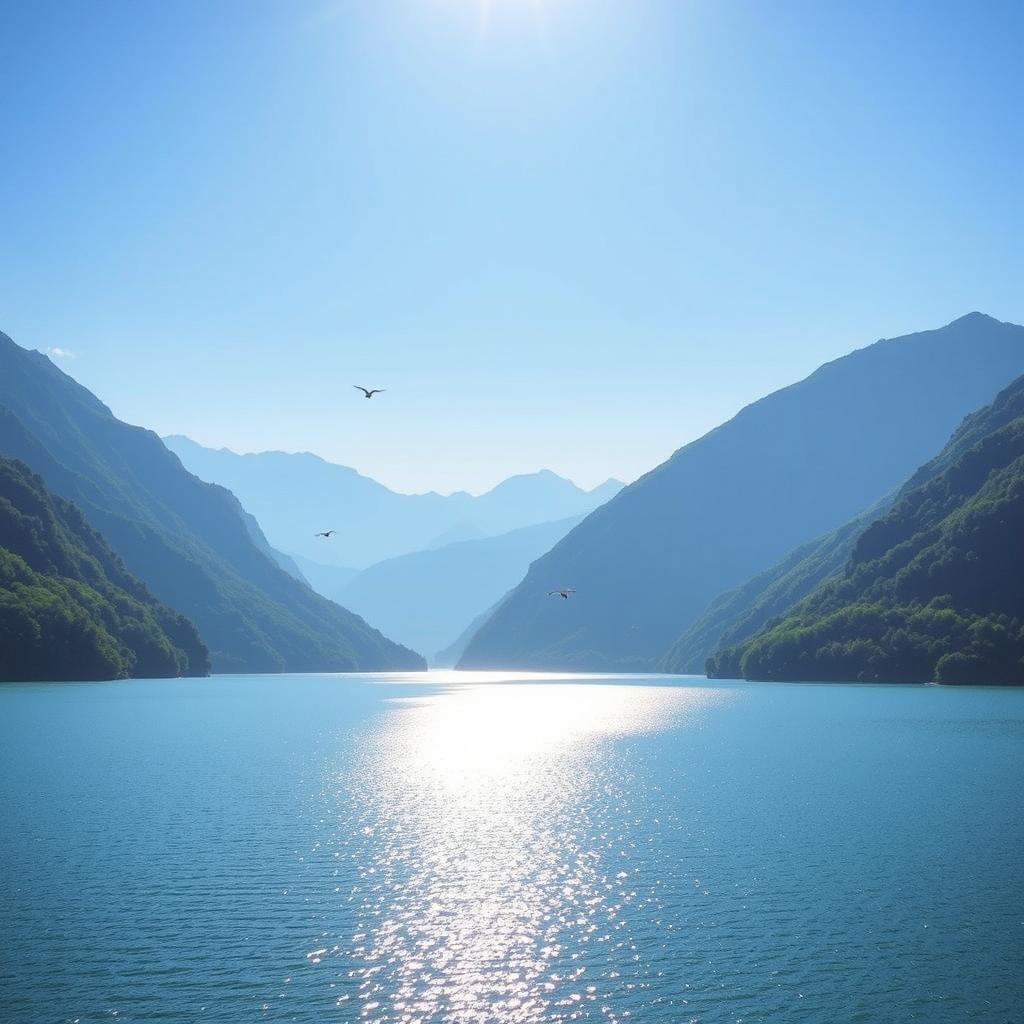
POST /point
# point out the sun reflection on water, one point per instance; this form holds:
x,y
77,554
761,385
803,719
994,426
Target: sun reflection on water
x,y
493,883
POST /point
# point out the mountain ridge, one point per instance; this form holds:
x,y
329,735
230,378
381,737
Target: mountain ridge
x,y
791,466
373,522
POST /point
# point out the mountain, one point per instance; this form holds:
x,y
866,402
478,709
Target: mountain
x,y
286,562
456,533
792,466
68,607
448,657
934,589
426,598
295,495
324,579
189,541
740,613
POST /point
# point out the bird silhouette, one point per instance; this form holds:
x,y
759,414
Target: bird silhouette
x,y
326,534
368,392
564,593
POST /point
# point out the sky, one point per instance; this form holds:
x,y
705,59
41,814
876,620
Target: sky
x,y
571,234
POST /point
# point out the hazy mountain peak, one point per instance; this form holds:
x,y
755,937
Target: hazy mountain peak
x,y
975,317
539,476
609,488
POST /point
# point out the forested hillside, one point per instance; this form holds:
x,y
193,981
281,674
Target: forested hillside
x,y
68,607
934,590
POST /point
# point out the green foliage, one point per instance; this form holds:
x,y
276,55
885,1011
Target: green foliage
x,y
869,642
934,590
68,607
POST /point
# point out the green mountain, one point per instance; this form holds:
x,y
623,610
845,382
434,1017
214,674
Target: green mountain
x,y
189,541
793,466
68,607
740,613
934,589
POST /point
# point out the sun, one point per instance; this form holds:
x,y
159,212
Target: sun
x,y
487,8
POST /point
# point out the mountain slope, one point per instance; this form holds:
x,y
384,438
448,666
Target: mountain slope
x,y
934,590
448,657
187,540
324,579
740,613
295,495
68,608
426,599
788,468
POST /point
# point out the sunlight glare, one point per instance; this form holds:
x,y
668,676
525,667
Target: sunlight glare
x,y
484,825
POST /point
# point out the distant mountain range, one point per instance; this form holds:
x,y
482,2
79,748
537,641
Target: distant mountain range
x,y
68,607
189,541
933,589
791,467
427,598
293,496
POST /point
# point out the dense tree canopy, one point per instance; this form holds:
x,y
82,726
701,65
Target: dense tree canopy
x,y
68,607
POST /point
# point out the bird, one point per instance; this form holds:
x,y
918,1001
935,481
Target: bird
x,y
368,392
563,593
326,534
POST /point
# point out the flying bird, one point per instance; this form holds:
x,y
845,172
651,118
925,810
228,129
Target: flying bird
x,y
368,392
326,534
564,594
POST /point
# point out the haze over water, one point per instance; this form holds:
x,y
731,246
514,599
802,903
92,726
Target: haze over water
x,y
475,848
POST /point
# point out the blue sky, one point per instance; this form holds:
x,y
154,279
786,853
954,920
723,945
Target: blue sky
x,y
562,233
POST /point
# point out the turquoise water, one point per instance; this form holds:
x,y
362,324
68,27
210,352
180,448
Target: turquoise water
x,y
498,848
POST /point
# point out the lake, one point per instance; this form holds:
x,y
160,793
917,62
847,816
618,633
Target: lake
x,y
478,847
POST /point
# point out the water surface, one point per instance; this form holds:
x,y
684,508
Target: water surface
x,y
476,848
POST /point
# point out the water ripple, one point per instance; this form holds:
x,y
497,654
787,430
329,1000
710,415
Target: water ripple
x,y
379,850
